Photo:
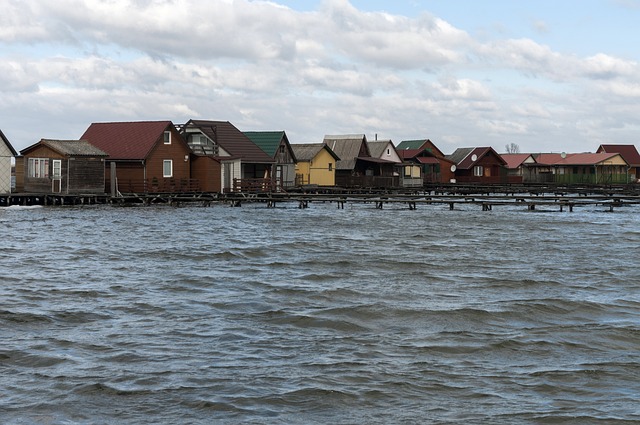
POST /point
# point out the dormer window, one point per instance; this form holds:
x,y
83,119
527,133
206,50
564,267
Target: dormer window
x,y
167,137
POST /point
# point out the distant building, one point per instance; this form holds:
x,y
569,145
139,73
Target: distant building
x,y
62,166
276,144
6,153
144,156
479,165
315,164
630,154
424,163
225,156
357,167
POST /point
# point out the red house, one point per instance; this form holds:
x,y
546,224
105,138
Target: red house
x,y
478,165
144,156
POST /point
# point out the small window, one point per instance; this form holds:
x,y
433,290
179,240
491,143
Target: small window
x,y
478,171
167,168
330,167
167,137
38,168
388,151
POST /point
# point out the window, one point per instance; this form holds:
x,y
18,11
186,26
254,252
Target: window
x,y
167,137
38,168
167,168
388,151
330,167
478,171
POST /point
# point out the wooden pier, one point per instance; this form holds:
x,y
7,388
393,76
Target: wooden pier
x,y
454,197
486,202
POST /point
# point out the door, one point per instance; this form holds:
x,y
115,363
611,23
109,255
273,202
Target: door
x,y
56,176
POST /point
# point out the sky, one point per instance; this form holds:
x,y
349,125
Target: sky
x,y
549,76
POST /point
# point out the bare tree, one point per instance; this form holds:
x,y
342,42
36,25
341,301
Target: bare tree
x,y
512,148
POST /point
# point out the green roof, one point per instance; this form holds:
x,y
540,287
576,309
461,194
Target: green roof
x,y
410,144
268,141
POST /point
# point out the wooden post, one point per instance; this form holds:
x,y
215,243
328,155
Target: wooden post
x,y
112,175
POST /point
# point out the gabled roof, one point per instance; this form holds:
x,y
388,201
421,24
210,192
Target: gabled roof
x,y
308,151
377,148
268,141
586,158
232,140
628,152
126,140
420,144
6,142
465,158
68,148
549,158
515,160
347,147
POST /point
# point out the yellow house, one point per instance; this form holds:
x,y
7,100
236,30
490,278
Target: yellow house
x,y
316,164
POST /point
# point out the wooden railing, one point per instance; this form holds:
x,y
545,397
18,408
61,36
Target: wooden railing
x,y
368,181
256,186
159,186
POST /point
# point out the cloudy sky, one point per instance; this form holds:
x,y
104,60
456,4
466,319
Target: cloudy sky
x,y
548,75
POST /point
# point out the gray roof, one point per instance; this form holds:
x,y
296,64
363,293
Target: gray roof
x,y
308,151
69,147
347,147
459,154
377,148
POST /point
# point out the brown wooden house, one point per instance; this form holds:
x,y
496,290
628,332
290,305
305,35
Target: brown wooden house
x,y
61,166
479,165
424,163
144,156
225,159
276,144
630,154
357,167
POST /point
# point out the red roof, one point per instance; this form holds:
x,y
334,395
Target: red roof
x,y
628,152
126,140
585,158
514,160
466,158
427,160
409,153
232,140
549,158
573,158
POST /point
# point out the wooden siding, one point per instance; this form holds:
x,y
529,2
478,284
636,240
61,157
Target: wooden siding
x,y
77,174
208,172
176,152
84,175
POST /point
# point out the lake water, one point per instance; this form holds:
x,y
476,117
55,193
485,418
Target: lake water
x,y
319,316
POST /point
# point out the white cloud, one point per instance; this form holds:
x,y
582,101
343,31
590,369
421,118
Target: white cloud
x,y
261,65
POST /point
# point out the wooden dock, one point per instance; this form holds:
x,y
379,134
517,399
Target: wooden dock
x,y
486,202
485,198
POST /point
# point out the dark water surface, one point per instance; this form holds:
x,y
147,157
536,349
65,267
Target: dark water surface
x,y
319,316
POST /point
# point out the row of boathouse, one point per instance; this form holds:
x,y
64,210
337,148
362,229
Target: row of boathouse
x,y
152,157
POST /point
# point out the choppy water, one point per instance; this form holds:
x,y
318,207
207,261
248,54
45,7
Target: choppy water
x,y
277,316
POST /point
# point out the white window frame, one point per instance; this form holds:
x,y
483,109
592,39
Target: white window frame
x,y
167,137
38,168
478,171
165,163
